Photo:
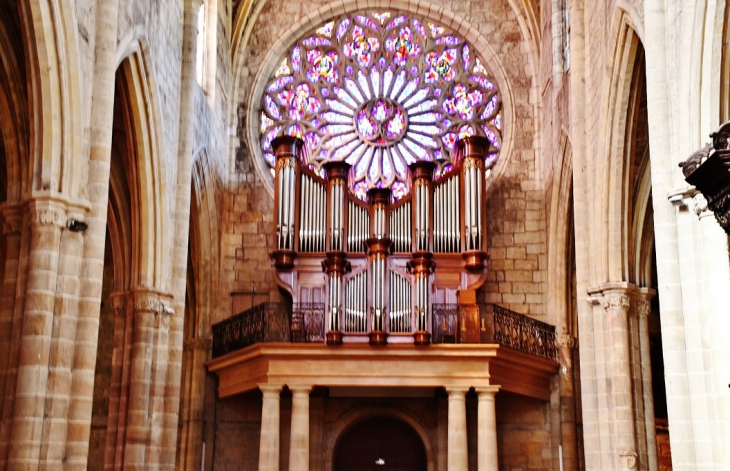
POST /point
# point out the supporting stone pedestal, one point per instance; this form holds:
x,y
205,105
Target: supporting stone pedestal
x,y
458,457
487,457
299,442
269,443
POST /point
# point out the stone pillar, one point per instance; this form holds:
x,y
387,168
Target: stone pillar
x,y
10,319
47,222
487,454
299,438
269,442
616,303
457,442
566,344
643,309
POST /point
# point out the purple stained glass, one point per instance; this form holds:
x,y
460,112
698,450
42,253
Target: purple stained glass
x,y
365,21
435,30
296,59
342,29
269,136
280,83
315,41
311,139
396,22
399,190
395,127
366,126
326,30
266,122
466,57
381,111
270,159
449,139
448,41
490,108
483,82
360,190
379,97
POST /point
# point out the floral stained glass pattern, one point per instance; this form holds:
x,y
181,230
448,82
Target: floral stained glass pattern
x,y
380,90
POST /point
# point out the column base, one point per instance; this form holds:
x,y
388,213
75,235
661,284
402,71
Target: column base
x,y
421,338
378,338
334,337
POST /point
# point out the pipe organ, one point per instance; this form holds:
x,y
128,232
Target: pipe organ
x,y
380,264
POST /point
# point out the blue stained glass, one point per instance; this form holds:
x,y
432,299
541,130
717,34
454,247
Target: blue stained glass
x,y
427,130
365,21
422,93
490,108
338,106
419,27
399,80
387,167
408,90
265,122
375,167
342,95
332,117
339,140
423,140
483,82
352,88
426,118
270,159
399,190
417,150
312,140
425,106
400,169
448,40
360,190
405,153
344,151
336,129
375,80
296,59
414,70
349,70
362,166
270,137
363,81
466,57
387,78
352,158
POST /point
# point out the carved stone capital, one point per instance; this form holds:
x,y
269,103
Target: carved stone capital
x,y
47,213
566,341
12,218
616,300
643,306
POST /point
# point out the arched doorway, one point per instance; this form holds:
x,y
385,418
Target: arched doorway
x,y
380,444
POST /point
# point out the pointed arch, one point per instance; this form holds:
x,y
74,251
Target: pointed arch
x,y
55,110
146,166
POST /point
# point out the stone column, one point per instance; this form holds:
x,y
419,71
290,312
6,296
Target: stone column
x,y
566,346
48,218
299,439
616,303
457,442
487,455
643,309
269,443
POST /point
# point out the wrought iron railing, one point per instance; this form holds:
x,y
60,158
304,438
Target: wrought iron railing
x,y
452,323
269,322
487,323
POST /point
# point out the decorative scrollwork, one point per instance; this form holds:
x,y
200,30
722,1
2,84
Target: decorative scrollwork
x,y
720,137
616,301
696,159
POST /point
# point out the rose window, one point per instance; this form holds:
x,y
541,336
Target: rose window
x,y
380,91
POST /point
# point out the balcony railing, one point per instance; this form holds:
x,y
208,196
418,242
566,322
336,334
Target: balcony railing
x,y
269,322
488,323
452,323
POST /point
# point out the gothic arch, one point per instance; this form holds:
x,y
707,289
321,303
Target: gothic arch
x,y
433,12
610,200
146,168
351,418
50,36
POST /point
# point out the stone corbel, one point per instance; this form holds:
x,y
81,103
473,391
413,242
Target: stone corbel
x,y
629,458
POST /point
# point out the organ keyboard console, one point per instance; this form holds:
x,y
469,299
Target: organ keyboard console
x,y
379,265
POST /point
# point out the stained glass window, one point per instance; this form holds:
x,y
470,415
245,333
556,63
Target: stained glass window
x,y
380,90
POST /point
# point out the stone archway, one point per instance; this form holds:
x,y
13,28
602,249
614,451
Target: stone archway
x,y
380,442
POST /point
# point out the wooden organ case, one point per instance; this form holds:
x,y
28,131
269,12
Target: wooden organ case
x,y
379,265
